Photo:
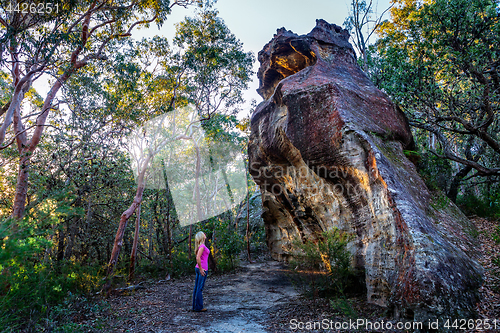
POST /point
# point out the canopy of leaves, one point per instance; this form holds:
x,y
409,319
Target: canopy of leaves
x,y
439,61
216,66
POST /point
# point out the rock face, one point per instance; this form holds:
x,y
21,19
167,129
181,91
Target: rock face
x,y
327,150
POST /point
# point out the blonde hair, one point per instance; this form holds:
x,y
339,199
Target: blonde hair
x,y
198,238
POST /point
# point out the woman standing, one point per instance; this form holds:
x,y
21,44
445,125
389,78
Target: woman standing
x,y
202,253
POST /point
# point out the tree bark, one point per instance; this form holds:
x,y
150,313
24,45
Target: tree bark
x,y
20,89
27,149
190,236
72,230
115,253
121,229
151,226
60,246
169,245
248,228
21,187
455,183
4,108
133,255
118,243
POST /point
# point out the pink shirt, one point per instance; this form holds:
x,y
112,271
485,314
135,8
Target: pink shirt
x,y
204,257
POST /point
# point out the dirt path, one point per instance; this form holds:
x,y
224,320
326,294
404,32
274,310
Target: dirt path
x,y
259,298
239,302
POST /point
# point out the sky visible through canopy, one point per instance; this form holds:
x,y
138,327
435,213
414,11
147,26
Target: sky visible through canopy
x,y
254,22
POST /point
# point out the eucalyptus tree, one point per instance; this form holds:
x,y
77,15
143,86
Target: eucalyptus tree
x,y
362,23
79,165
83,173
58,40
207,67
216,68
90,157
440,62
217,71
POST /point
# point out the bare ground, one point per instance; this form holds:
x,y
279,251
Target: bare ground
x,y
259,298
236,302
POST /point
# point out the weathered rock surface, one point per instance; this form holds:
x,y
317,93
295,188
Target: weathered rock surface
x,y
327,150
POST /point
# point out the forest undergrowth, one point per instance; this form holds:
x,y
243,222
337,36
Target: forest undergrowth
x,y
163,303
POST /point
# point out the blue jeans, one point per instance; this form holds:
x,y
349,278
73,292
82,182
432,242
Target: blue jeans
x,y
199,283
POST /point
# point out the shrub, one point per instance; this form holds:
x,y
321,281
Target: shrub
x,y
326,264
435,171
496,260
31,284
258,241
182,264
488,207
228,246
496,235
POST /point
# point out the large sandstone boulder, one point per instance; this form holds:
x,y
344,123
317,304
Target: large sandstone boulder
x,y
327,150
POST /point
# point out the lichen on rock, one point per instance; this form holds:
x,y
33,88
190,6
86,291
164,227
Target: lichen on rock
x,y
326,149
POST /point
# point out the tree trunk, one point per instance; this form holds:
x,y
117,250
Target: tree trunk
x,y
169,245
190,236
151,227
21,186
119,236
28,147
72,230
455,183
248,227
60,246
72,227
133,254
121,229
15,102
214,240
117,245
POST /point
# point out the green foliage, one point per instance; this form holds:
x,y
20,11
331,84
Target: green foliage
x,y
182,264
5,87
471,204
160,267
436,60
361,25
61,318
439,201
217,68
327,263
258,239
496,262
343,306
228,244
496,235
80,178
436,171
496,259
31,285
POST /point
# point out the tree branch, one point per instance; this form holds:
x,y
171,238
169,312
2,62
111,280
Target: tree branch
x,y
483,171
20,133
4,108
